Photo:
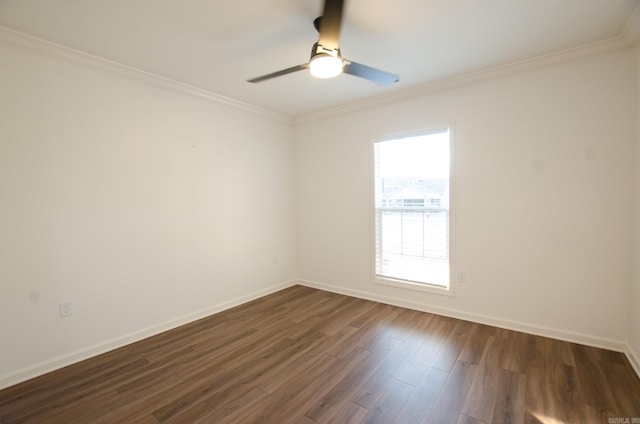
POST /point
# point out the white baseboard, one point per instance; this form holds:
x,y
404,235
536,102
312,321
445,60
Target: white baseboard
x,y
633,357
71,358
553,333
91,351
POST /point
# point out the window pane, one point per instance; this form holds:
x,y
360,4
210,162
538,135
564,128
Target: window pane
x,y
412,208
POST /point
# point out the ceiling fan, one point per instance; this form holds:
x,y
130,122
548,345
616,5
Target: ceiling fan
x,y
326,60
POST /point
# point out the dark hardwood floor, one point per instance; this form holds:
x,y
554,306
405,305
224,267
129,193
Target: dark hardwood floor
x,y
306,356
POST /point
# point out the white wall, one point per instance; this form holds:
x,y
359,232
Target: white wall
x,y
135,202
142,205
634,298
544,187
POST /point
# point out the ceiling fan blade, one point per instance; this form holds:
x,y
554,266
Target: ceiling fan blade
x,y
330,24
280,73
375,75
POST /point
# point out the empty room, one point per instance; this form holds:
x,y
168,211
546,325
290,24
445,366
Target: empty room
x,y
320,211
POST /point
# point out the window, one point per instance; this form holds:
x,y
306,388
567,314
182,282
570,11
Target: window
x,y
412,219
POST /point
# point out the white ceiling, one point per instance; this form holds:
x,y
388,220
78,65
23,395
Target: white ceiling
x,y
216,45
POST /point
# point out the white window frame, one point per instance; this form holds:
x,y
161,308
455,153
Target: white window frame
x,y
405,284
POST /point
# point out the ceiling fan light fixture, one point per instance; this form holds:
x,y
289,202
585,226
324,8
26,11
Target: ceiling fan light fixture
x,y
325,65
326,60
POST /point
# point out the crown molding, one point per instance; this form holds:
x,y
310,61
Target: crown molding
x,y
512,68
629,37
14,37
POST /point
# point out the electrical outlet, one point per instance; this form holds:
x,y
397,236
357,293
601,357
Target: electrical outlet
x,y
462,278
65,309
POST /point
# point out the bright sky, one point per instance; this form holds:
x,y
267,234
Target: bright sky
x,y
425,156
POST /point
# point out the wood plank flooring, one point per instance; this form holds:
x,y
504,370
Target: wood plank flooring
x,y
306,356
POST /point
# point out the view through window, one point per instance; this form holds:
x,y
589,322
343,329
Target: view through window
x,y
412,208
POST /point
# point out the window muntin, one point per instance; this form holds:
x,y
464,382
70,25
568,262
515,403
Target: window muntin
x,y
412,200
